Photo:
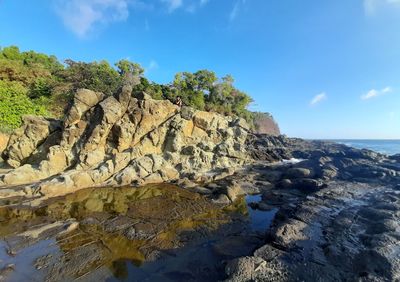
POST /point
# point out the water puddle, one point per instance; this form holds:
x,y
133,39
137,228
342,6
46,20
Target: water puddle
x,y
157,233
260,220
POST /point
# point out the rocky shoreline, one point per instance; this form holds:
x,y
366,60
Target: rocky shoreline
x,y
336,209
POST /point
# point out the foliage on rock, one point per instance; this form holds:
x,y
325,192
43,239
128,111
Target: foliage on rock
x,y
52,84
14,103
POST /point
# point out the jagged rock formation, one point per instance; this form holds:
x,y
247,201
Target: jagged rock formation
x,y
265,124
121,140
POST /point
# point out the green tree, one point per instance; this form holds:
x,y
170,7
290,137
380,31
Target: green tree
x,y
125,66
50,63
11,53
193,87
153,89
226,99
97,76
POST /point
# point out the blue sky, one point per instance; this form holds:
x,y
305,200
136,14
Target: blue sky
x,y
324,69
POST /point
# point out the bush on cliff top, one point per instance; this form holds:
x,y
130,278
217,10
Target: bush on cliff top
x,y
14,103
32,82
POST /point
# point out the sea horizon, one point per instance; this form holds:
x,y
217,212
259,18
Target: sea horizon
x,y
384,146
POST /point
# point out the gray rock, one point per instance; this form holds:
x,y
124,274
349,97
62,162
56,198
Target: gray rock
x,y
244,268
308,185
272,176
298,172
222,199
285,184
233,191
187,112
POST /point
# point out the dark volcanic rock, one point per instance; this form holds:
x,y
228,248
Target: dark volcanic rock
x,y
342,224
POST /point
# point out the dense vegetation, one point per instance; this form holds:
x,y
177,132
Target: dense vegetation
x,y
35,83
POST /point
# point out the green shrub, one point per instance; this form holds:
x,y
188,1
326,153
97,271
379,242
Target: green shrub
x,y
14,103
40,88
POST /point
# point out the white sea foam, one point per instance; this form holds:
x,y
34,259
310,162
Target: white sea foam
x,y
292,161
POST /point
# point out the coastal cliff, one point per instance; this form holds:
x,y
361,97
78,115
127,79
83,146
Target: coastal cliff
x,y
264,123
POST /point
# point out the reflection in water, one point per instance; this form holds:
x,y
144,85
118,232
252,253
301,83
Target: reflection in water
x,y
115,225
260,220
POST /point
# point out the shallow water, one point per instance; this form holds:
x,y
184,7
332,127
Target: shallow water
x,y
157,232
259,220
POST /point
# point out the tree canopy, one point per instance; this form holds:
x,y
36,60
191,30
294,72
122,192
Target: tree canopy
x,y
32,82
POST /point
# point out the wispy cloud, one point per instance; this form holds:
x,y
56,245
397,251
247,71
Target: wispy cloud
x,y
153,65
83,16
190,6
172,5
236,9
318,99
375,93
372,6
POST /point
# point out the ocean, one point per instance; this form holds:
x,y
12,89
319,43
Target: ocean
x,y
389,147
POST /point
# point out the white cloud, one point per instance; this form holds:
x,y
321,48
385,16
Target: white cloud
x,y
236,9
173,4
153,65
372,6
190,6
83,16
375,93
318,98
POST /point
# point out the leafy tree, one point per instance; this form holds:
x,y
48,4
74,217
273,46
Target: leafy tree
x,y
11,53
153,89
97,76
31,59
125,66
50,63
193,87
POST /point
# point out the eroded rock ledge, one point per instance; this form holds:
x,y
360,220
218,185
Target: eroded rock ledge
x,y
120,140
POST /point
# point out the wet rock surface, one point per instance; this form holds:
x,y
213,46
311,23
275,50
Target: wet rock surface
x,y
338,218
111,233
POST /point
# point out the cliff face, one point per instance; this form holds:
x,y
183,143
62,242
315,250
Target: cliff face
x,y
121,140
265,124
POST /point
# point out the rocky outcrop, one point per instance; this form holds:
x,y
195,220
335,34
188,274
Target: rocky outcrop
x,y
121,140
264,123
35,136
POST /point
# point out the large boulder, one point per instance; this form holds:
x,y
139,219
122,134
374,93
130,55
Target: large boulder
x,y
25,140
84,100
